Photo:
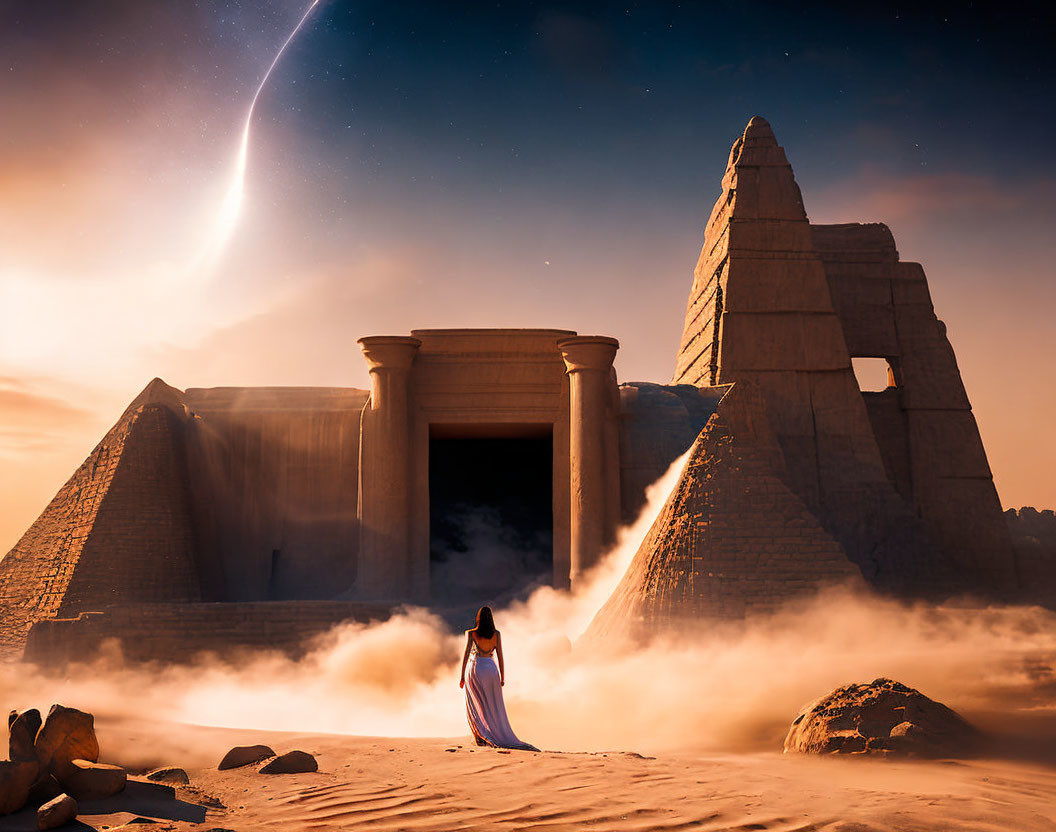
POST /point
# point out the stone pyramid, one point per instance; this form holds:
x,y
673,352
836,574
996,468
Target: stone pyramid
x,y
119,530
732,538
760,311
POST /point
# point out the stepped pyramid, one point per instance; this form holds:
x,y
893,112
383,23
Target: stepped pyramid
x,y
800,478
761,311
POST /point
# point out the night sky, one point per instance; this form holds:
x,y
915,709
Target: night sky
x,y
517,164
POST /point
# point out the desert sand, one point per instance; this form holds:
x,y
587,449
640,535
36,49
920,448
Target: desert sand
x,y
447,784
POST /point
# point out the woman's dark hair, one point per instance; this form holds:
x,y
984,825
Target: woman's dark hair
x,y
485,623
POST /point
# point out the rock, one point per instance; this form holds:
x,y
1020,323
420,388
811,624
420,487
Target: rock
x,y
87,780
883,716
22,730
16,779
57,812
292,762
46,788
244,755
169,775
67,735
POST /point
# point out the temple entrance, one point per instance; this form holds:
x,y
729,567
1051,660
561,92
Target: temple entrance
x,y
491,525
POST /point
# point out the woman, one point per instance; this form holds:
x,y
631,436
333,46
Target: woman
x,y
484,706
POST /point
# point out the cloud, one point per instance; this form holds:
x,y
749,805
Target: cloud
x,y
31,419
875,196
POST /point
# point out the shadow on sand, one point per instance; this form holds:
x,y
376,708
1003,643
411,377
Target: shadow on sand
x,y
148,800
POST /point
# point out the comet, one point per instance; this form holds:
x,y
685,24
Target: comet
x,y
231,206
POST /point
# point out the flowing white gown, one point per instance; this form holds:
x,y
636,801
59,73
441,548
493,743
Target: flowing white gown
x,y
484,706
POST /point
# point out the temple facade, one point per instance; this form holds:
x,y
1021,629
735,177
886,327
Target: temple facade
x,y
484,462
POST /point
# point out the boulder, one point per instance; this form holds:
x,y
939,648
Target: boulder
x,y
22,728
292,762
16,779
169,775
67,735
46,788
87,780
881,717
57,812
244,755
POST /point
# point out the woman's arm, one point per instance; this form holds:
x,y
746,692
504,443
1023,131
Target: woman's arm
x,y
498,649
465,658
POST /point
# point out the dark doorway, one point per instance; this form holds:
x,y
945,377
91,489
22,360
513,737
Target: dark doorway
x,y
491,523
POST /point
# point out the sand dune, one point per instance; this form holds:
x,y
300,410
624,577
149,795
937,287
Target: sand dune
x,y
430,785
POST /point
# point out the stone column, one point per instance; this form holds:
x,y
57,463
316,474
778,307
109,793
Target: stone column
x,y
588,362
385,469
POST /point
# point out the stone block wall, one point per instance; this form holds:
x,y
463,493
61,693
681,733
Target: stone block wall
x,y
181,632
760,312
924,425
276,473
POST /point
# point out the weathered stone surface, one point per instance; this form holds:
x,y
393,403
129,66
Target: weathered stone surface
x,y
1034,538
244,755
731,540
779,341
292,762
87,780
658,424
68,734
22,731
170,774
883,716
181,632
87,549
16,779
57,812
46,788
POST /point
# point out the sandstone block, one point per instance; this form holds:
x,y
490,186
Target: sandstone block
x,y
22,731
910,293
46,788
763,285
87,780
946,443
766,193
292,762
855,242
57,812
785,236
244,755
761,341
170,774
68,734
16,779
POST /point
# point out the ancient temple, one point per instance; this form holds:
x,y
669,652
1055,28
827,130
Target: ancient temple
x,y
261,515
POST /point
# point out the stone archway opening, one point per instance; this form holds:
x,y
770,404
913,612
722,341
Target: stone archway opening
x,y
491,522
874,374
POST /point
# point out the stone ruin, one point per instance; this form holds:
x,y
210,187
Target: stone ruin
x,y
260,516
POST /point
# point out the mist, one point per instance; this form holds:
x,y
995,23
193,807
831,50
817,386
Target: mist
x,y
728,687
